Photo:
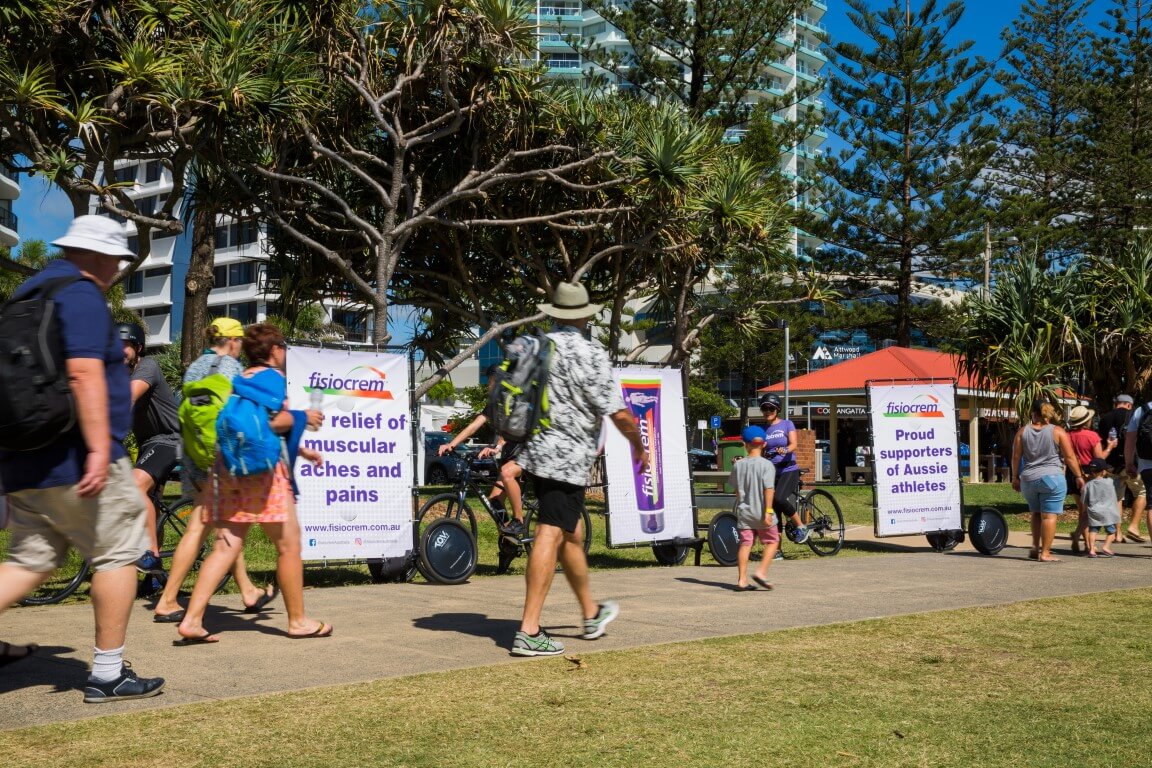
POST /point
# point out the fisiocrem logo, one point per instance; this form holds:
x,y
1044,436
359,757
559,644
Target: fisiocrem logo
x,y
361,381
922,407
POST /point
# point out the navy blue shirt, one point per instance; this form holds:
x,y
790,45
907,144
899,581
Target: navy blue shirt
x,y
88,332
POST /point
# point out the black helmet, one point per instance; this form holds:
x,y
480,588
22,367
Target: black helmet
x,y
131,332
770,401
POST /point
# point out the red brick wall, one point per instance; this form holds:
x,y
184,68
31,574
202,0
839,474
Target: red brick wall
x,y
806,451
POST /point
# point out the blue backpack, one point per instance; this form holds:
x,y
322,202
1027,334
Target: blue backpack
x,y
248,446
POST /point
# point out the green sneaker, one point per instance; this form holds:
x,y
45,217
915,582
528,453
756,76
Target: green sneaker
x,y
595,626
539,644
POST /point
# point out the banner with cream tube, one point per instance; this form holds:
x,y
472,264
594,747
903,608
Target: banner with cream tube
x,y
358,503
655,505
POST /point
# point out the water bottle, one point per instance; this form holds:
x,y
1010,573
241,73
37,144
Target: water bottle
x,y
315,403
1112,434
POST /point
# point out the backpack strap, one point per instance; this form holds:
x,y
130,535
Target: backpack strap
x,y
47,289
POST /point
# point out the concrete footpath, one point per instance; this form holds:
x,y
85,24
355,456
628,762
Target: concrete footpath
x,y
393,630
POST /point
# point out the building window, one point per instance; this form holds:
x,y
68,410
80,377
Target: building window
x,y
152,171
245,312
135,283
355,324
123,175
158,272
237,234
241,273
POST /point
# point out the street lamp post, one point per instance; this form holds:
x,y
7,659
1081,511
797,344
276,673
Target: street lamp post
x,y
783,325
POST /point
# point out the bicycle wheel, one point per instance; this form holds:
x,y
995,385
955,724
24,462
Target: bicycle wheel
x,y
173,523
62,583
398,570
670,554
532,514
723,539
821,514
445,505
447,551
944,541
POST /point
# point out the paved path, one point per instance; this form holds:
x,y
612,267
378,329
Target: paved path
x,y
394,630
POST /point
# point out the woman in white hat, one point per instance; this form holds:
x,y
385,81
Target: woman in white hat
x,y
1086,445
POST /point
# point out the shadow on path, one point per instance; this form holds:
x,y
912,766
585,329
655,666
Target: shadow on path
x,y
499,631
46,667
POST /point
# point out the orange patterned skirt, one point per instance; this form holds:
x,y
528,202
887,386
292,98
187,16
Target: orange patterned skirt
x,y
264,498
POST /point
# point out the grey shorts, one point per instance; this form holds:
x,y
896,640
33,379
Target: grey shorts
x,y
108,530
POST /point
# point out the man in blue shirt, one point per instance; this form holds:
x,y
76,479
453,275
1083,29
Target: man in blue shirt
x,y
78,491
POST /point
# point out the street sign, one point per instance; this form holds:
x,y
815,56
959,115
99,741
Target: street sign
x,y
715,422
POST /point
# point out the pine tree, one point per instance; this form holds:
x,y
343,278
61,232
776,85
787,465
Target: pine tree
x,y
710,57
1114,157
905,198
1045,81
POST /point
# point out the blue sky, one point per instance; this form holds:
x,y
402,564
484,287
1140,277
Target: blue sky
x,y
44,212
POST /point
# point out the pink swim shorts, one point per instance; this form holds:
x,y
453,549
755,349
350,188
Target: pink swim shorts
x,y
764,535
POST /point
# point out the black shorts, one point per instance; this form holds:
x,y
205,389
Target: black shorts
x,y
787,483
158,458
561,504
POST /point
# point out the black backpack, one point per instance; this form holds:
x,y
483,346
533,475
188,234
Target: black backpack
x,y
1144,434
518,398
36,403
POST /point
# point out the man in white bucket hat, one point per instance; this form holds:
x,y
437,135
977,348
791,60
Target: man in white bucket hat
x,y
581,392
78,491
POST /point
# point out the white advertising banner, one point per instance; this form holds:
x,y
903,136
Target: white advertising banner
x,y
358,503
916,458
655,506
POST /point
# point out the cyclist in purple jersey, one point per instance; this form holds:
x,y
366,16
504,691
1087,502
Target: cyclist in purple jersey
x,y
780,448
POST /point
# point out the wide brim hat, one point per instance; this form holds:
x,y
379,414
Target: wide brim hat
x,y
97,234
570,302
1080,416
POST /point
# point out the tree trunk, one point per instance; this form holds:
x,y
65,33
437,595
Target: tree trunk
x,y
198,284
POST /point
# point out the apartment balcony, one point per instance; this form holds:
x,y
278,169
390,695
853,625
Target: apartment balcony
x,y
9,228
557,15
811,23
821,5
9,184
554,43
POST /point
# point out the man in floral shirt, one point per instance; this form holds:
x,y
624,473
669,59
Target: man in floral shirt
x,y
581,392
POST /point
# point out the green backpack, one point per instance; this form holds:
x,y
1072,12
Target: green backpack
x,y
202,403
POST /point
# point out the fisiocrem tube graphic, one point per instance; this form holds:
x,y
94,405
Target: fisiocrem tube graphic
x,y
643,399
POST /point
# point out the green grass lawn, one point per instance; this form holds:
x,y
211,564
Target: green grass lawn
x,y
1045,684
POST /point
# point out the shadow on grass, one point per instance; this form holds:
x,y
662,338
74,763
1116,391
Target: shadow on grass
x,y
499,631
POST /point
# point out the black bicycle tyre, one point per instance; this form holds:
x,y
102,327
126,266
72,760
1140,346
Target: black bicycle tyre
x,y
825,522
446,505
394,570
988,531
944,541
530,516
170,530
63,582
447,552
723,539
670,554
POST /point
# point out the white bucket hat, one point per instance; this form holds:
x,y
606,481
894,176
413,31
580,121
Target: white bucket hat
x,y
98,234
570,302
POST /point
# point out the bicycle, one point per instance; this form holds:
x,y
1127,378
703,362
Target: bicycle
x,y
170,526
818,511
445,532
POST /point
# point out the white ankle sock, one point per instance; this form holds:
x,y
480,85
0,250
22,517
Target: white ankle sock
x,y
106,665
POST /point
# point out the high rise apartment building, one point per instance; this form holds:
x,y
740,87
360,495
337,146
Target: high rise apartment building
x,y
243,286
9,191
562,22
